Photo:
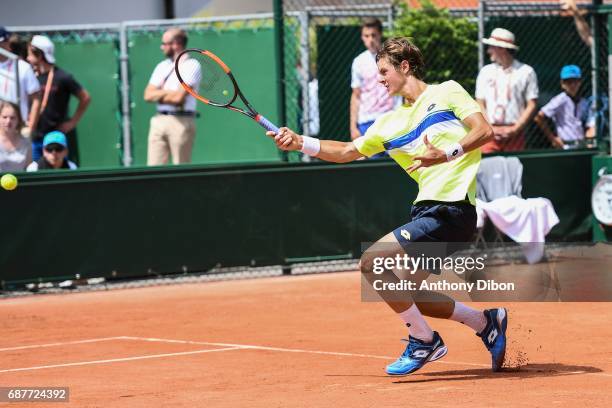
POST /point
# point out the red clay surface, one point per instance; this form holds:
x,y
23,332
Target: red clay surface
x,y
301,327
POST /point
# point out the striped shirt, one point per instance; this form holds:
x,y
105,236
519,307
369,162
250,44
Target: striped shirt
x,y
438,113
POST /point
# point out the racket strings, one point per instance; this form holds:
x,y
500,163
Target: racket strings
x,y
213,83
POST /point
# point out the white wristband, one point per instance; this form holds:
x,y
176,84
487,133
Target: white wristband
x,y
311,146
454,151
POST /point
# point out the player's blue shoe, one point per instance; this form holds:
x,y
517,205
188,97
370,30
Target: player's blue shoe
x,y
494,336
417,354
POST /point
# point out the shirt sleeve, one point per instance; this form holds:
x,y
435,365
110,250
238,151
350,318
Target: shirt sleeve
x,y
371,143
532,91
460,101
73,86
551,107
356,81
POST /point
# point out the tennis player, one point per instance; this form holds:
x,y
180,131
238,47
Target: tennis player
x,y
435,136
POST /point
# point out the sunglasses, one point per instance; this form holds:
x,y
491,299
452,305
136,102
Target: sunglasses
x,y
57,148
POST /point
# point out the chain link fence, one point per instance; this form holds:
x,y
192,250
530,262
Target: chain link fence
x,y
322,37
548,40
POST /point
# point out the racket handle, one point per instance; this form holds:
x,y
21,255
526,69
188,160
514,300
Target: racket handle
x,y
266,123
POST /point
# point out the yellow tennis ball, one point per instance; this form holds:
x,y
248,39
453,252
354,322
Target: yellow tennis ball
x,y
225,92
8,182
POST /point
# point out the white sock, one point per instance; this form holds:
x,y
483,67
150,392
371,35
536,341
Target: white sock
x,y
417,324
470,317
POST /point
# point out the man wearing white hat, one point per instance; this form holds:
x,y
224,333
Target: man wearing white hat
x,y
57,85
507,91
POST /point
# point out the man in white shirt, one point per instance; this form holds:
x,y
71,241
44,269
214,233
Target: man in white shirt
x,y
507,91
369,99
172,129
29,88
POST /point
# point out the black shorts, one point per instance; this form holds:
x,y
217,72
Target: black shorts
x,y
452,225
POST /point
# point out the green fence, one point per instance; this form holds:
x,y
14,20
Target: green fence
x,y
139,222
334,77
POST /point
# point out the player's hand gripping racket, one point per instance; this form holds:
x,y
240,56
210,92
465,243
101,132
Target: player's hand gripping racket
x,y
208,79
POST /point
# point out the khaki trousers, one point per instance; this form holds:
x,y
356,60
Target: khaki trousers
x,y
170,135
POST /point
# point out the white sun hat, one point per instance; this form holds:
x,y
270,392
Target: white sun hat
x,y
500,37
44,44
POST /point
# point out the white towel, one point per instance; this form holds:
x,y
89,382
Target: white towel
x,y
526,221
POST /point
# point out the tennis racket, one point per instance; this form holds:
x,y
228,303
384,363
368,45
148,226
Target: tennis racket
x,y
203,75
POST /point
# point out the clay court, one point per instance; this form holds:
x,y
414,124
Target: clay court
x,y
298,341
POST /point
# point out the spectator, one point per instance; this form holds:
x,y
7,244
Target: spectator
x,y
172,129
15,150
584,31
507,91
55,153
369,99
568,111
57,85
29,88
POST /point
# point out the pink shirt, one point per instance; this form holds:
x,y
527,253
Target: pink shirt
x,y
374,99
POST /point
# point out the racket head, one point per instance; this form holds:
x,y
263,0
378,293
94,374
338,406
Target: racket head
x,y
206,77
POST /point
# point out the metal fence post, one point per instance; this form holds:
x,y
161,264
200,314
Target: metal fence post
x,y
481,15
125,96
280,58
304,22
596,30
609,51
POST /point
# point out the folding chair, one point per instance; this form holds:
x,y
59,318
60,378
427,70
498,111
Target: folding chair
x,y
497,177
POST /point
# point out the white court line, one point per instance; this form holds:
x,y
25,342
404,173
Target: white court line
x,y
65,343
287,350
225,347
116,360
332,353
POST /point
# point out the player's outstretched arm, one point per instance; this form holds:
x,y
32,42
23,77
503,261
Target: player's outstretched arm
x,y
328,150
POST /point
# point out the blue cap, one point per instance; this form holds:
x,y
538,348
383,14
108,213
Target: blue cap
x,y
55,137
571,72
4,34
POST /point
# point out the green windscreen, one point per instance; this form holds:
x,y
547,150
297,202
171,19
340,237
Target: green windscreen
x,y
95,65
222,136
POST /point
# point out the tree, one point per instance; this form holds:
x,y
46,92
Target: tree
x,y
449,44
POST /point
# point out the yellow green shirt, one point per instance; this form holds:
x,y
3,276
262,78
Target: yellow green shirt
x,y
438,113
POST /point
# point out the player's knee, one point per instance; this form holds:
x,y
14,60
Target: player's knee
x,y
366,263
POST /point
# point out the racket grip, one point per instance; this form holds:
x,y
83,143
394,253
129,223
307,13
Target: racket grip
x,y
266,123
